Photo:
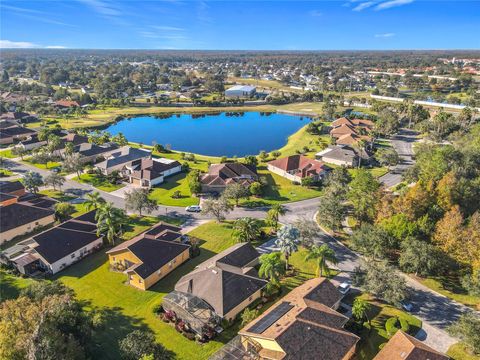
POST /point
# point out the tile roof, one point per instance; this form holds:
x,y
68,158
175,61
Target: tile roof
x,y
405,347
299,165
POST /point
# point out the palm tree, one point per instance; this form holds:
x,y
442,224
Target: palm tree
x,y
94,201
360,309
271,267
110,222
246,229
322,254
288,241
273,215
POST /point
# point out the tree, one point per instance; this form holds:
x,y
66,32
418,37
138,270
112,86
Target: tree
x,y
141,343
69,149
363,195
246,229
382,281
63,210
418,257
42,157
321,254
110,222
288,239
387,157
387,123
218,208
360,309
235,192
194,183
120,139
309,231
93,201
44,133
372,241
467,328
19,151
54,143
248,315
251,160
256,188
272,267
331,209
32,181
138,200
39,290
74,163
337,180
263,155
273,214
329,109
54,180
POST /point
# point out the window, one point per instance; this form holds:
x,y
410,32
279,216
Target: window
x,y
36,222
113,258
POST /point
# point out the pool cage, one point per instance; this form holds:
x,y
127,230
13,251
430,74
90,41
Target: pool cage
x,y
194,311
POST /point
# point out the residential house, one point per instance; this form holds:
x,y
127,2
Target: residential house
x,y
302,325
405,347
20,218
298,167
338,155
14,133
31,143
221,175
124,157
147,172
228,282
55,249
92,153
240,91
65,104
150,256
350,132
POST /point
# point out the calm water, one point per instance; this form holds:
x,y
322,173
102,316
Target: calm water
x,y
216,135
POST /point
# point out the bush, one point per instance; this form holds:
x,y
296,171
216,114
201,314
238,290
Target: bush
x,y
404,325
391,326
157,309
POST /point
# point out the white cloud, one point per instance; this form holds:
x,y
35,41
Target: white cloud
x,y
102,7
167,28
55,47
392,3
385,35
315,13
364,5
7,44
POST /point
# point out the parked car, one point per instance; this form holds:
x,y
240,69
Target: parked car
x,y
193,208
344,288
407,306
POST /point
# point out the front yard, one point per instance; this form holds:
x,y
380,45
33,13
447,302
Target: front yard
x,y
162,193
99,182
47,166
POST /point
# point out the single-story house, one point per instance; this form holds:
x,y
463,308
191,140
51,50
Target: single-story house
x,y
338,155
120,159
349,132
241,91
55,249
64,104
402,346
150,256
11,134
228,282
298,167
20,218
304,324
15,188
91,152
31,143
150,172
221,175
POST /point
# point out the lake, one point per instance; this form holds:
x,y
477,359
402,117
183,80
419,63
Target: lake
x,y
222,134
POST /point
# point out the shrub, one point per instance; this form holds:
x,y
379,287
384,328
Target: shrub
x,y
157,309
404,325
391,326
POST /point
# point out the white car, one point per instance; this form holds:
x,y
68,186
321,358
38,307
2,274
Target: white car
x,y
193,208
344,288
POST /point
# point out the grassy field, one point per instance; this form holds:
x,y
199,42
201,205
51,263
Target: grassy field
x,y
98,182
10,285
162,193
450,288
460,352
47,166
7,154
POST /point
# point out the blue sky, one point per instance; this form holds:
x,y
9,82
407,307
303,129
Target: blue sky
x,y
254,25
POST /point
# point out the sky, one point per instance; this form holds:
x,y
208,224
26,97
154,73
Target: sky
x,y
240,25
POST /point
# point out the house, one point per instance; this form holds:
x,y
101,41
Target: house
x,y
150,172
228,282
92,153
241,91
298,167
55,249
221,175
350,132
20,218
150,256
65,104
31,143
405,347
302,325
338,155
11,134
122,158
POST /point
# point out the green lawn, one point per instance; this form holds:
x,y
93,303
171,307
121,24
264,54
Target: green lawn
x,y
162,193
62,197
7,154
379,313
11,285
5,173
376,171
50,165
98,182
460,352
450,287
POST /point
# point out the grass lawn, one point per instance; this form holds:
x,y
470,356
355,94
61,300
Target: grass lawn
x,y
279,190
376,171
5,173
98,182
460,352
7,154
162,193
50,165
11,285
449,287
62,197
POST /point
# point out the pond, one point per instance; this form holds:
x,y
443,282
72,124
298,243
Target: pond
x,y
222,134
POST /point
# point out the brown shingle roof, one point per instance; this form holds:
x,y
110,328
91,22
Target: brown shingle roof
x,y
299,165
224,174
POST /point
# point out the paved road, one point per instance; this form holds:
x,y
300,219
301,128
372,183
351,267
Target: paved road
x,y
403,144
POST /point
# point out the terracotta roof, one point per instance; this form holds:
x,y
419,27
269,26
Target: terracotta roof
x,y
363,123
405,347
351,139
342,130
299,165
341,121
66,103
